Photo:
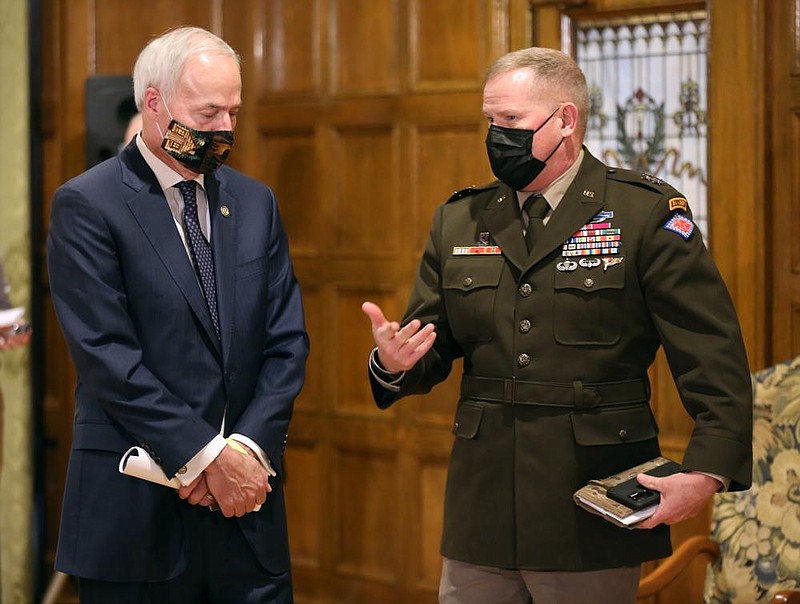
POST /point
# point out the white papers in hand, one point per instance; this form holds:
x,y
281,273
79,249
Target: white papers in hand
x,y
137,463
11,315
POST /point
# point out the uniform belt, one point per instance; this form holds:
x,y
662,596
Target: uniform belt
x,y
577,395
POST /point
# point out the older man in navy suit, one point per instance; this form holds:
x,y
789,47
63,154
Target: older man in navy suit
x,y
173,285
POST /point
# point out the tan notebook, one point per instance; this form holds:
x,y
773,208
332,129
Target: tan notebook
x,y
593,498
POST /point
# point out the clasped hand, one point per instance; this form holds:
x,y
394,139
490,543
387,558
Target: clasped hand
x,y
235,483
399,349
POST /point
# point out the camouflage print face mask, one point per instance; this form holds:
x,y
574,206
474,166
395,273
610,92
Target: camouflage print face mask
x,y
201,151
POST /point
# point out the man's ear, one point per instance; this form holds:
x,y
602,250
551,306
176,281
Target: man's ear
x,y
152,101
569,119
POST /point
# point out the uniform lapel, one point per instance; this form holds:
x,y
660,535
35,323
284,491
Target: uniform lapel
x,y
223,221
502,219
153,215
583,199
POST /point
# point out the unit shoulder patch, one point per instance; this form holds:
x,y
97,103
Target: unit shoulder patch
x,y
680,224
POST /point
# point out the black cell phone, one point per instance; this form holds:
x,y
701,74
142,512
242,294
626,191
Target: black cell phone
x,y
633,495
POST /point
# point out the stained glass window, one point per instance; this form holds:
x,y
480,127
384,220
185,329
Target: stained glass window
x,y
647,79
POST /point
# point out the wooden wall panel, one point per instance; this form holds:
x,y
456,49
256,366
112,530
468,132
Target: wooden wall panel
x,y
366,487
287,163
351,392
117,43
363,213
364,46
442,44
290,40
783,193
305,503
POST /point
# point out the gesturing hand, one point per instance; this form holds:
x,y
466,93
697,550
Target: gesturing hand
x,y
399,349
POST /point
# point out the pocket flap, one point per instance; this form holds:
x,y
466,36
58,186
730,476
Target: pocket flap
x,y
614,426
472,273
468,420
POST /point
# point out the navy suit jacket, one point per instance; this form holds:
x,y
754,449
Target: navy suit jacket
x,y
150,368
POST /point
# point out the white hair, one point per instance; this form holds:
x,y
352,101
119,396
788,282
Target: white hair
x,y
161,62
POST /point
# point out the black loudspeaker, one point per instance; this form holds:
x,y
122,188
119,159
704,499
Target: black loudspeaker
x,y
109,108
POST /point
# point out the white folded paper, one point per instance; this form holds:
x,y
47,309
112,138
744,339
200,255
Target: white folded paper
x,y
10,316
137,462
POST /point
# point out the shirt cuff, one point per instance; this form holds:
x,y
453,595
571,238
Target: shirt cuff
x,y
259,452
725,482
389,380
195,466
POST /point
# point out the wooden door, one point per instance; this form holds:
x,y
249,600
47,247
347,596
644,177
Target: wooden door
x,y
782,200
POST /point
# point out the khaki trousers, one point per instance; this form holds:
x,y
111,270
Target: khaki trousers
x,y
464,583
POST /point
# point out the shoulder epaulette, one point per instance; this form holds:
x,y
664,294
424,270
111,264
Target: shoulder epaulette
x,y
675,201
641,179
472,190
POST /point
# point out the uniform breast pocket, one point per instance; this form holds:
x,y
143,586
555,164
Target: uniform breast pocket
x,y
589,307
470,288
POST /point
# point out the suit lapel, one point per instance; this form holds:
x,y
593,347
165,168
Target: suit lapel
x,y
153,215
583,199
223,221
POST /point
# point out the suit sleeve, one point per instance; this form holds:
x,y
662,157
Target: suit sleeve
x,y
266,417
90,300
696,321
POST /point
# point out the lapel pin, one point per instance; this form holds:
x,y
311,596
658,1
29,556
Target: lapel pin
x,y
224,211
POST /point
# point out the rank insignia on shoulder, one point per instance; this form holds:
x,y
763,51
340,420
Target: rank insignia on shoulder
x,y
462,193
653,179
680,224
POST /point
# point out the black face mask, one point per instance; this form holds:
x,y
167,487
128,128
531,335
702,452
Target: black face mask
x,y
511,157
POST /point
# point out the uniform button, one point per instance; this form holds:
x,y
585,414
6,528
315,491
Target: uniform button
x,y
182,470
588,282
523,360
467,281
524,326
623,434
455,428
525,290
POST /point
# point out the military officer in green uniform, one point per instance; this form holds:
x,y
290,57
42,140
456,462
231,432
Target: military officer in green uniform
x,y
557,284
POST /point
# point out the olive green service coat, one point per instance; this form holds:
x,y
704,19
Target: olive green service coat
x,y
556,353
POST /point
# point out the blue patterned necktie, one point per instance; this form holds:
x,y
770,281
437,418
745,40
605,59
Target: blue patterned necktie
x,y
200,248
536,207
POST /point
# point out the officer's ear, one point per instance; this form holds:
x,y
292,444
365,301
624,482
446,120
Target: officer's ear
x,y
569,118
